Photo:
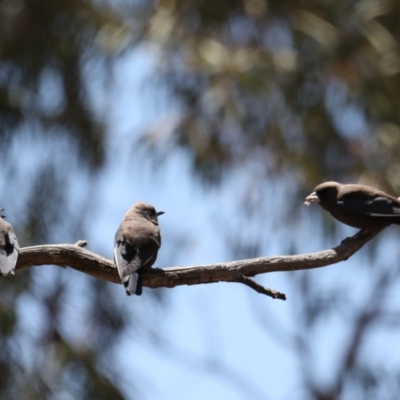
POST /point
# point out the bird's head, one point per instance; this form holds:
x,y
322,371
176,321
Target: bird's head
x,y
145,210
325,194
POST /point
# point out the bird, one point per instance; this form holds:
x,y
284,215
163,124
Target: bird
x,y
8,247
136,245
359,206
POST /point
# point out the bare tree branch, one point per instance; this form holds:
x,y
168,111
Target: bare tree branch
x,y
75,256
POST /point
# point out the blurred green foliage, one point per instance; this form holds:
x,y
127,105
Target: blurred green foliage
x,y
306,86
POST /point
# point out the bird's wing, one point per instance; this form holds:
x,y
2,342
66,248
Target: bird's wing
x,y
12,239
13,247
129,259
121,260
374,206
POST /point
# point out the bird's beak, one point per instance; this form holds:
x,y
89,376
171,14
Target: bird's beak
x,y
312,198
158,213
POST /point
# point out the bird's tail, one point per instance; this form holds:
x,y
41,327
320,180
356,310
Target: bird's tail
x,y
134,284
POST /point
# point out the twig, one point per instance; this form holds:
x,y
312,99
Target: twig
x,y
81,243
259,288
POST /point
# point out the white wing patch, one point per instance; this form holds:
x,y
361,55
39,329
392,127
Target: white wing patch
x,y
116,261
395,213
385,215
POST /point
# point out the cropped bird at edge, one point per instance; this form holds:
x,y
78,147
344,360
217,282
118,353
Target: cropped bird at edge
x,y
8,247
137,241
359,206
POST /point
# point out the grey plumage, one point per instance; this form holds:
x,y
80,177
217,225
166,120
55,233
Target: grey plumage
x,y
360,206
8,247
136,245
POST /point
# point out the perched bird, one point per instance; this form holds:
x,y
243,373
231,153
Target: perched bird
x,y
360,206
8,247
137,241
